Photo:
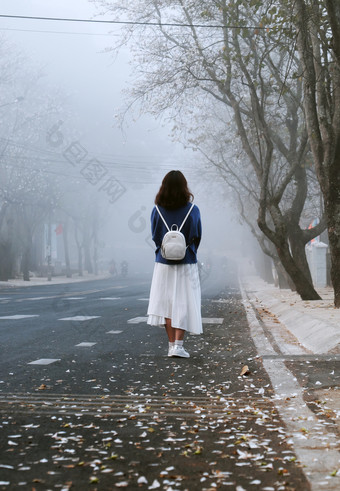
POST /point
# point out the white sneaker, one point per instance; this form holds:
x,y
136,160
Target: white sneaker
x,y
170,351
180,352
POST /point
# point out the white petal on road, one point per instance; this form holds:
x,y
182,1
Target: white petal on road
x,y
154,485
142,480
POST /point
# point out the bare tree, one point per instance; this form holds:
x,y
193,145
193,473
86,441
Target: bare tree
x,y
186,61
318,42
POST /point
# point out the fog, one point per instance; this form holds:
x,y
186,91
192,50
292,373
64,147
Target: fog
x,y
105,176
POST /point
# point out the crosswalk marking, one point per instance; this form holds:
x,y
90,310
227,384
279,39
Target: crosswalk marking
x,y
137,320
17,317
85,345
43,361
205,320
212,320
80,318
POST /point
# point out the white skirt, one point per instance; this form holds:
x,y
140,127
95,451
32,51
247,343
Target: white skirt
x,y
176,294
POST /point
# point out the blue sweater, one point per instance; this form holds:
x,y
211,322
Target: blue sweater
x,y
192,231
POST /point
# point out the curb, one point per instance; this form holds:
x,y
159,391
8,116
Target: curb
x,y
316,324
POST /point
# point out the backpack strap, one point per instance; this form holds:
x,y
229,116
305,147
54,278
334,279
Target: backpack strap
x,y
185,219
160,214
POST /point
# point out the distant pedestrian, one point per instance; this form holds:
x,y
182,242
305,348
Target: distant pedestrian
x,y
175,295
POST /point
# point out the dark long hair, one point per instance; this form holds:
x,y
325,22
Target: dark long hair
x,y
174,191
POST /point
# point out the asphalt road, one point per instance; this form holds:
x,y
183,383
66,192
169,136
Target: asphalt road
x,y
117,412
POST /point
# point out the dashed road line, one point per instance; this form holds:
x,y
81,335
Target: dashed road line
x,y
80,318
84,344
69,296
109,298
44,361
205,320
137,320
17,317
212,320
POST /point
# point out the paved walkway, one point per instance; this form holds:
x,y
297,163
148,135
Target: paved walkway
x,y
299,342
315,324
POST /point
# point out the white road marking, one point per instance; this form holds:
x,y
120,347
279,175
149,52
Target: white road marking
x,y
205,320
80,318
85,345
114,332
110,298
212,320
43,361
143,299
17,317
74,298
137,320
37,298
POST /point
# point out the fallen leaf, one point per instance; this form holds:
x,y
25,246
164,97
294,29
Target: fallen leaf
x,y
245,370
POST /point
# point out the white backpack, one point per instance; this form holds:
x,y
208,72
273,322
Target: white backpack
x,y
173,246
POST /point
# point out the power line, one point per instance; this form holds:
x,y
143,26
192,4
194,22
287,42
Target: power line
x,y
60,32
123,160
126,22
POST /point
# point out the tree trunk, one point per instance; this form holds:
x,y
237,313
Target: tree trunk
x,y
80,251
283,279
80,261
298,248
87,254
25,265
321,71
303,287
332,210
266,269
5,263
66,250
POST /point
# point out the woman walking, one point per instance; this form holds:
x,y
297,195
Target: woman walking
x,y
175,296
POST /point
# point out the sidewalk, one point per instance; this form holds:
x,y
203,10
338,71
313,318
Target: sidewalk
x,y
315,324
299,342
56,280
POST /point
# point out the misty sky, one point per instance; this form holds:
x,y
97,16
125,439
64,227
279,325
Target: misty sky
x,y
93,81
